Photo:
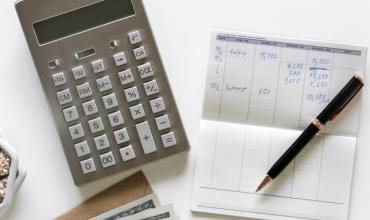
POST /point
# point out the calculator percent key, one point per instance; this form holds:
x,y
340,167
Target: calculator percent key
x,y
132,94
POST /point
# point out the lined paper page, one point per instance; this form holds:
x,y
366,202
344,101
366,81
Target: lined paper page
x,y
261,92
234,158
278,82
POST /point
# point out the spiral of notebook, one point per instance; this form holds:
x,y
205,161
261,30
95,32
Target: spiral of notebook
x,y
261,91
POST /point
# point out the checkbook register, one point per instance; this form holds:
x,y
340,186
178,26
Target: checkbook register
x,y
105,82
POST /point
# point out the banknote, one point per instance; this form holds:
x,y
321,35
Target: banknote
x,y
135,207
164,212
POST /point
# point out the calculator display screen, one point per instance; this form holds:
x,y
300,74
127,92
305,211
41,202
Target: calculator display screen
x,y
82,19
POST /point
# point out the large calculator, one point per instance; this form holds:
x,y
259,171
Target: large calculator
x,y
105,82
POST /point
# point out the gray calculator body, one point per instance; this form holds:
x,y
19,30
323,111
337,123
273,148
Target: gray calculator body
x,y
105,82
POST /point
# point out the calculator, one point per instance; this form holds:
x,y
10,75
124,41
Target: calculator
x,y
105,82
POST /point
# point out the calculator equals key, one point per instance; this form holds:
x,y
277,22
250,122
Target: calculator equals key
x,y
111,99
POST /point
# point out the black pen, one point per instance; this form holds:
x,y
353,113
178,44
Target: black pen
x,y
340,101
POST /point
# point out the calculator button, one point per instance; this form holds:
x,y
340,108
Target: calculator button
x,y
115,119
98,66
104,84
88,166
90,107
126,77
70,114
157,105
110,101
107,160
120,59
137,111
140,53
151,88
127,153
76,131
96,125
101,142
134,37
84,90
145,70
132,94
59,79
169,139
121,136
78,72
82,149
146,137
64,97
163,122
52,64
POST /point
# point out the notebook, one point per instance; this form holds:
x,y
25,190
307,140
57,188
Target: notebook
x,y
261,92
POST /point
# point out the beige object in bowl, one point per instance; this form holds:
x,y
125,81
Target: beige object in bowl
x,y
15,178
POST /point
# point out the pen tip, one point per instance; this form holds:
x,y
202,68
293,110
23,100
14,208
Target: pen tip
x,y
264,183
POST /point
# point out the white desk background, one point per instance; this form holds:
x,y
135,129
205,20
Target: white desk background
x,y
182,29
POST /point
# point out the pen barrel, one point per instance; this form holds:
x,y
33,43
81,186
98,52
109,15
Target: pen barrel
x,y
341,100
293,150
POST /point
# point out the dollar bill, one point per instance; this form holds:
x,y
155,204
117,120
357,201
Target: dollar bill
x,y
135,207
165,213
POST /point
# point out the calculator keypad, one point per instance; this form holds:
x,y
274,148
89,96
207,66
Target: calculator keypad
x,y
151,88
98,66
157,105
132,94
120,59
78,72
145,70
115,119
137,111
110,101
59,79
169,139
126,77
90,107
84,90
140,53
107,159
101,142
104,84
127,153
76,131
96,125
64,97
70,114
88,166
82,149
134,37
121,136
146,137
123,116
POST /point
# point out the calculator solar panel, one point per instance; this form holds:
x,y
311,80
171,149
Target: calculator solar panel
x,y
105,82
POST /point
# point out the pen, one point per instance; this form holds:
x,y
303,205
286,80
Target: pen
x,y
340,101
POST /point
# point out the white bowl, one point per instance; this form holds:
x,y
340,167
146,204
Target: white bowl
x,y
15,178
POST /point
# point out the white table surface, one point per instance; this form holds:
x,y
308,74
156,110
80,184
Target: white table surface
x,y
182,29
